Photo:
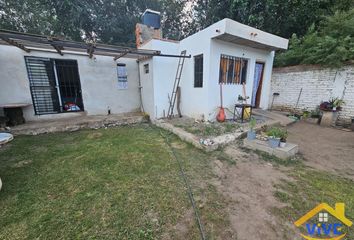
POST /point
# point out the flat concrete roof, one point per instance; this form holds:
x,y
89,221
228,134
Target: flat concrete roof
x,y
235,32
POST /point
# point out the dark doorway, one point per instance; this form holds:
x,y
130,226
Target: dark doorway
x,y
257,84
69,85
55,85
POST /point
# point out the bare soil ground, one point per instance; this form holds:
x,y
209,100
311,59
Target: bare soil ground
x,y
264,196
251,182
250,185
324,148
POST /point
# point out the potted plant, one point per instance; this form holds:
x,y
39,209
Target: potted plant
x,y
283,137
242,99
334,104
337,104
251,134
274,134
330,111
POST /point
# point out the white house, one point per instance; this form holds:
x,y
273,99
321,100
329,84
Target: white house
x,y
226,52
92,84
49,80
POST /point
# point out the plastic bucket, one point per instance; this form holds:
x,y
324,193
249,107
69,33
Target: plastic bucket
x,y
273,142
251,135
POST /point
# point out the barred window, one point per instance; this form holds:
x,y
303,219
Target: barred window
x,y
198,71
233,70
122,76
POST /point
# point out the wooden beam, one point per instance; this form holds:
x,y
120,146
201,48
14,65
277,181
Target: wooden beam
x,y
14,43
143,58
121,55
38,41
58,48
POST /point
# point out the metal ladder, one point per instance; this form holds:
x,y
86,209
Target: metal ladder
x,y
172,98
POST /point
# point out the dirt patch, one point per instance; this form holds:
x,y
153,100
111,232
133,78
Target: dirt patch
x,y
179,145
205,129
324,148
250,185
94,135
22,163
182,228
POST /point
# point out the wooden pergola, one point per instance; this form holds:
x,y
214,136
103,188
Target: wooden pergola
x,y
28,42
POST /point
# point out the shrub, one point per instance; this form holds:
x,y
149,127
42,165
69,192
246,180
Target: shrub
x,y
276,132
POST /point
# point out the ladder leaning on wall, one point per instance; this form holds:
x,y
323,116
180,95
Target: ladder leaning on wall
x,y
172,98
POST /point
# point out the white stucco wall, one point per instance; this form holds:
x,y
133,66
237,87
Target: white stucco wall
x,y
195,101
204,102
318,84
163,72
147,87
231,91
98,79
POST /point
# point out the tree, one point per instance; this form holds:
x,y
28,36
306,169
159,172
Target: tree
x,y
331,45
112,21
275,16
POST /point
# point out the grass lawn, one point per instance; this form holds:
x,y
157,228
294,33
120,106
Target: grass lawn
x,y
118,183
310,188
306,188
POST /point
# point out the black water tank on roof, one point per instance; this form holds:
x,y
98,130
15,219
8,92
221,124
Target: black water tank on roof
x,y
151,18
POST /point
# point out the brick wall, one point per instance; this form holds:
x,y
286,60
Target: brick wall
x,y
318,84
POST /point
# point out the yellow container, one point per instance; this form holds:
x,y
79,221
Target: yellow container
x,y
247,113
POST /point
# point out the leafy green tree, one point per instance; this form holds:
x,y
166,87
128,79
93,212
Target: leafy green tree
x,y
331,45
275,16
113,21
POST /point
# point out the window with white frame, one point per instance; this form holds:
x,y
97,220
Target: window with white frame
x,y
122,76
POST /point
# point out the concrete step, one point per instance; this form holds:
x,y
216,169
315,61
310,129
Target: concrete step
x,y
284,153
277,116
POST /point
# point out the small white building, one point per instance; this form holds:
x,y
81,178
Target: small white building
x,y
56,81
227,53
